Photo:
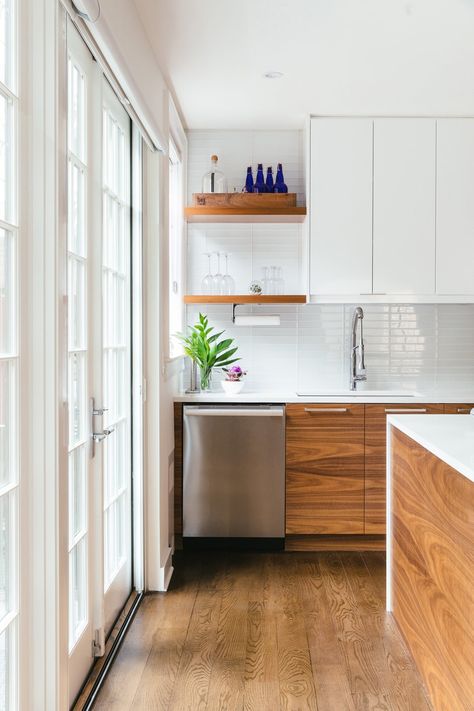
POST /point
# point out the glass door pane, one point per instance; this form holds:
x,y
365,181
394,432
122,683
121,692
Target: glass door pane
x,y
116,333
78,351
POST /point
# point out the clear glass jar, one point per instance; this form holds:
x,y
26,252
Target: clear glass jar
x,y
214,181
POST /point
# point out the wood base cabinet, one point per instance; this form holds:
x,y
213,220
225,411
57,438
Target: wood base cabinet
x,y
375,457
325,469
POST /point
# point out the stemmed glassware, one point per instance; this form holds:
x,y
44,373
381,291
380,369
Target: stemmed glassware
x,y
281,281
218,276
218,283
227,282
207,282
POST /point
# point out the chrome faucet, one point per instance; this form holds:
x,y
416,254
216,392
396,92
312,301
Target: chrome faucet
x,y
357,350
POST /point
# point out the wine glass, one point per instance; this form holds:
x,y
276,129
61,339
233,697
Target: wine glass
x,y
206,283
217,278
265,281
228,283
281,281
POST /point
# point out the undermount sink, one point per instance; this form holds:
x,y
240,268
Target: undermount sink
x,y
357,393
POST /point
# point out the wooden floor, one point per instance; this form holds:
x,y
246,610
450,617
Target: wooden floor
x,y
264,632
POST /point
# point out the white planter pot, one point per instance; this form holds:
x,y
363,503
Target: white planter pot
x,y
232,387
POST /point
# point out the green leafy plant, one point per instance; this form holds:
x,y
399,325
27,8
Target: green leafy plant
x,y
206,349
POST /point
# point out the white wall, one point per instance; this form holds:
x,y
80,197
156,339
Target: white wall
x,y
239,149
120,30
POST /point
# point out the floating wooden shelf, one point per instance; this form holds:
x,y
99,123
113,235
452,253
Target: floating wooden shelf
x,y
245,214
245,299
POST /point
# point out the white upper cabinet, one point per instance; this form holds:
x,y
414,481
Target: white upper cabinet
x,y
455,207
341,206
404,206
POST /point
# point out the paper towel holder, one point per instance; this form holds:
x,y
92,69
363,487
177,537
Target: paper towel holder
x,y
254,319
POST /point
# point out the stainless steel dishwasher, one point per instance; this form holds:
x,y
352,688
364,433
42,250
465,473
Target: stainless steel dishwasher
x,y
234,476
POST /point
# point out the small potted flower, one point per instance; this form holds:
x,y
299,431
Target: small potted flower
x,y
233,382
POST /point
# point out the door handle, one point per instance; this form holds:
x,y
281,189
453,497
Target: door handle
x,y
325,409
394,410
99,411
100,436
97,436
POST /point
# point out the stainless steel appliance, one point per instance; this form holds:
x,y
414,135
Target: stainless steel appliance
x,y
234,475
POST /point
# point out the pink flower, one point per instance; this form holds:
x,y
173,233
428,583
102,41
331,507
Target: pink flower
x,y
234,373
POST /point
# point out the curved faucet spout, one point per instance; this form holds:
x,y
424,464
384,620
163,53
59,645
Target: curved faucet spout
x,y
357,364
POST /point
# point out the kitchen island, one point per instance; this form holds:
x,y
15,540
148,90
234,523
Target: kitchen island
x,y
430,549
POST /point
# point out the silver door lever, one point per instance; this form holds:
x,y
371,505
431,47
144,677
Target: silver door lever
x,y
99,411
100,436
97,436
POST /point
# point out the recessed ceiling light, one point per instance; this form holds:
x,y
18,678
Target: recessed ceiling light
x,y
273,75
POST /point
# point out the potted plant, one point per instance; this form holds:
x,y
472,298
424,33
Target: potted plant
x,y
233,382
206,350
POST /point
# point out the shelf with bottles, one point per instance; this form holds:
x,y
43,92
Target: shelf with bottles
x,y
259,201
245,214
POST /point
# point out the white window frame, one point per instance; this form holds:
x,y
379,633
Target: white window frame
x,y
175,248
14,487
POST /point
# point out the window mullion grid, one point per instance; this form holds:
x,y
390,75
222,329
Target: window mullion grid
x,y
115,497
77,445
79,536
73,158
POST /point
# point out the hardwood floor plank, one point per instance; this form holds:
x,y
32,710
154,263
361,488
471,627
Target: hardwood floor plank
x,y
157,681
356,647
226,690
332,688
232,626
295,674
367,701
191,687
399,680
261,688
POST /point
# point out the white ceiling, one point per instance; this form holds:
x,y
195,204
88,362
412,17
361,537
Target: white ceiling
x,y
338,57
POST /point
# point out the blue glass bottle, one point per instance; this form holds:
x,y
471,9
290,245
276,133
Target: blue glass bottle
x,y
249,180
260,186
269,184
280,186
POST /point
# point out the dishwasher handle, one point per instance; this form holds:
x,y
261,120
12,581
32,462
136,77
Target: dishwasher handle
x,y
233,412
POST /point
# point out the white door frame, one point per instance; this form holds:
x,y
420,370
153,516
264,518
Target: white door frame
x,y
138,384
43,627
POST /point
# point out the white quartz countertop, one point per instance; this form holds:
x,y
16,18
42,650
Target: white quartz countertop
x,y
448,437
372,396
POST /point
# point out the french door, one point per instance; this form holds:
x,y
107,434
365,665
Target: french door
x,y
99,353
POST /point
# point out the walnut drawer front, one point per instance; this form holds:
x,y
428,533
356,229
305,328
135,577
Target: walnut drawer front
x,y
325,469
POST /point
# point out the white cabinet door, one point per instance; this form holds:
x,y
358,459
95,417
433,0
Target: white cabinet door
x,y
341,206
404,206
455,207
